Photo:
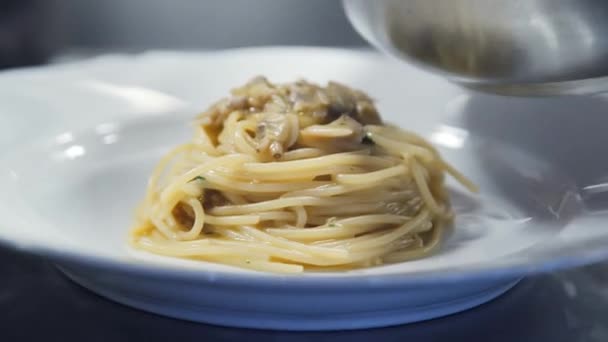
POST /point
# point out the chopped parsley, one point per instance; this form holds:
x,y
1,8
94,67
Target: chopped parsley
x,y
197,178
367,140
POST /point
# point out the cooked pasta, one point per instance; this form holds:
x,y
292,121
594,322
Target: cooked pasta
x,y
294,177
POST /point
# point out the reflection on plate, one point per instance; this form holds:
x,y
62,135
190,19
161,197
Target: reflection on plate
x,y
70,196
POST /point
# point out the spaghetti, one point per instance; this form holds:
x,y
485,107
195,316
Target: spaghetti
x,y
293,177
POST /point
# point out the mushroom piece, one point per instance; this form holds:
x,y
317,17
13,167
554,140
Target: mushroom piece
x,y
275,133
354,103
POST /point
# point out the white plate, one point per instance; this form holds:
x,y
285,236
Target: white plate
x,y
69,191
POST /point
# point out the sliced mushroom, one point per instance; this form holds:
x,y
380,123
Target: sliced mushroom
x,y
328,116
346,101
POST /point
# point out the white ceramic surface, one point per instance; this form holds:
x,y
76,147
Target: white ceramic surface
x,y
69,191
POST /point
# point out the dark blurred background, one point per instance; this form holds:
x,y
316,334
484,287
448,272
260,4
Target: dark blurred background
x,y
32,31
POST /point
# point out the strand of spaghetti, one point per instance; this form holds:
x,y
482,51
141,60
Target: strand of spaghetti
x,y
199,220
288,254
165,208
277,216
192,190
399,134
383,238
460,177
203,141
246,249
345,228
376,255
232,220
234,198
416,139
397,147
298,176
167,215
419,252
424,189
198,248
219,182
201,157
163,228
256,264
302,153
242,140
178,166
270,266
313,250
229,233
158,170
313,220
301,216
353,209
328,190
264,206
174,188
249,256
226,136
372,177
365,220
309,201
311,164
326,132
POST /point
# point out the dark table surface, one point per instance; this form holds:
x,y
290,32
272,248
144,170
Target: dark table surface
x,y
38,302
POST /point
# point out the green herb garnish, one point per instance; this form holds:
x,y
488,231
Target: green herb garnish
x,y
331,222
367,140
197,178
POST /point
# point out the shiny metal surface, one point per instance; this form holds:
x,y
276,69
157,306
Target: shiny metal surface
x,y
521,47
